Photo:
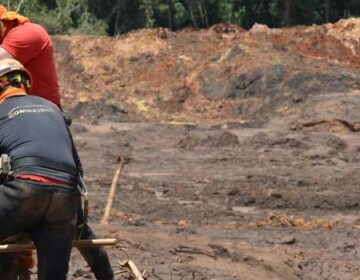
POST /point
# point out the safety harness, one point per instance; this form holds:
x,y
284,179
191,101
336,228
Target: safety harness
x,y
84,195
82,188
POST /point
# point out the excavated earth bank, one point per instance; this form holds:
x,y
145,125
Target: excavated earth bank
x,y
242,148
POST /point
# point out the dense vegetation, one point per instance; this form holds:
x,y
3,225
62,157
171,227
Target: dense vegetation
x,y
119,16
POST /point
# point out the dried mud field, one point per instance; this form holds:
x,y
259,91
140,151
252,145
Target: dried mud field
x,y
224,201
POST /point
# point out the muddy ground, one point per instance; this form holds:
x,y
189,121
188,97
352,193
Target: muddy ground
x,y
225,202
242,149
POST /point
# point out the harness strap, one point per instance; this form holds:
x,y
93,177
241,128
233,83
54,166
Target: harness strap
x,y
46,163
84,194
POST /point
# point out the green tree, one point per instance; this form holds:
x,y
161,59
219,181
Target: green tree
x,y
119,16
181,15
147,8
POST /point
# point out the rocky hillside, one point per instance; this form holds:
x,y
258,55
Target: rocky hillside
x,y
300,77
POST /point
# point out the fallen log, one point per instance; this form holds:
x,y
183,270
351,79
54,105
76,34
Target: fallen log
x,y
7,248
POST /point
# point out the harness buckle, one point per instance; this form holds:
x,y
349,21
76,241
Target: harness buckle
x,y
5,166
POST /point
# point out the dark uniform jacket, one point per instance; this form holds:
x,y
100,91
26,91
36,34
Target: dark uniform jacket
x,y
33,132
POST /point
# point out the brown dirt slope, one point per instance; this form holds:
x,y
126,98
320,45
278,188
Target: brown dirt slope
x,y
224,73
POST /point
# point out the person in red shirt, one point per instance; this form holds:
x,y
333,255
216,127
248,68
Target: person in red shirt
x,y
30,44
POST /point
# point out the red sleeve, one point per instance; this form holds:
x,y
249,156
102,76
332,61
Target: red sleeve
x,y
25,41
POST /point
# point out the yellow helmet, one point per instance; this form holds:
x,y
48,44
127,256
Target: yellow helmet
x,y
12,71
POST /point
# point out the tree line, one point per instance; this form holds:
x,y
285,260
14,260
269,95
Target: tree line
x,y
113,17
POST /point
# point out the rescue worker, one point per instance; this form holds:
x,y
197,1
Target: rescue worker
x,y
31,45
38,194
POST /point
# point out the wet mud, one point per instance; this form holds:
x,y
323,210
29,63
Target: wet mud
x,y
212,202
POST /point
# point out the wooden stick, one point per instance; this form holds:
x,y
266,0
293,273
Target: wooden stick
x,y
135,270
6,248
191,250
95,242
106,216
